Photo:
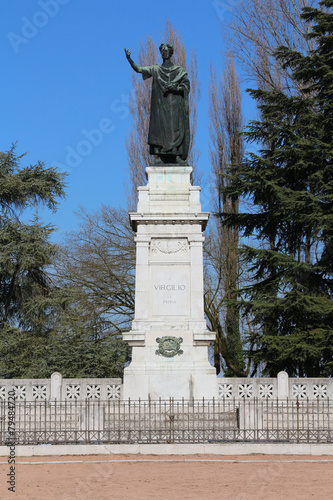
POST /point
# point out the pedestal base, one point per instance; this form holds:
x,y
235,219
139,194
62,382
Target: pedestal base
x,y
170,366
169,335
170,380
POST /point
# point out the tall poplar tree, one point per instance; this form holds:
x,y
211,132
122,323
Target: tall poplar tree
x,y
221,248
290,182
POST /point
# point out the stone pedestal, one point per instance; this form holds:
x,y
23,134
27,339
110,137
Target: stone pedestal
x,y
169,334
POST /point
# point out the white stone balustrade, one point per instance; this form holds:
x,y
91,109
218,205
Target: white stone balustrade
x,y
281,387
79,389
61,389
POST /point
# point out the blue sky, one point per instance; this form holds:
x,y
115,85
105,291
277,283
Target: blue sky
x,y
65,84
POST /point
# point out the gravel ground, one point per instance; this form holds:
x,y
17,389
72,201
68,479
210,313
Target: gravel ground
x,y
192,477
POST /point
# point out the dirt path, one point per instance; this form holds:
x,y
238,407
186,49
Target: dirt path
x,y
192,477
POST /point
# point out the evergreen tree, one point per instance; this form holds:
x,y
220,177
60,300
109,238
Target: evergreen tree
x,y
25,248
42,325
290,183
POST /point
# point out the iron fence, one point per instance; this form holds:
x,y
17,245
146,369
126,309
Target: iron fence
x,y
171,421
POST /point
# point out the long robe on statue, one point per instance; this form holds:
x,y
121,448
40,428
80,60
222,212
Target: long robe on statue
x,y
169,127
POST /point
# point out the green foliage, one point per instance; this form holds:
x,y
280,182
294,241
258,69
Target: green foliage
x,y
73,353
22,187
25,248
42,329
290,183
25,253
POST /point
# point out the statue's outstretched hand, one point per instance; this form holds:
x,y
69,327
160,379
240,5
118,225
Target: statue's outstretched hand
x,y
128,53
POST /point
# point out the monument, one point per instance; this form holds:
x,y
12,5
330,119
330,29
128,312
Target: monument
x,y
169,336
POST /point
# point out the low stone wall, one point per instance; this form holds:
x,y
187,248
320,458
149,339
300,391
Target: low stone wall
x,y
64,389
61,389
281,387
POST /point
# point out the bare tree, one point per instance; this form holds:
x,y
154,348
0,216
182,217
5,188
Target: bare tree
x,y
98,263
221,249
257,28
137,148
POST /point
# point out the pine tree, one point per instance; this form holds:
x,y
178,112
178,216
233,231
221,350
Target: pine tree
x,y
25,248
290,183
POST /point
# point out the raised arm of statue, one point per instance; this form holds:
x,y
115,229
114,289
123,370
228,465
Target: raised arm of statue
x,y
132,63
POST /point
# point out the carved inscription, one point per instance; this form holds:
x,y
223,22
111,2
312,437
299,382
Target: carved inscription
x,y
169,287
170,297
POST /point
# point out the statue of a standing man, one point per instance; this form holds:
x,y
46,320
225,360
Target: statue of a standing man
x,y
169,128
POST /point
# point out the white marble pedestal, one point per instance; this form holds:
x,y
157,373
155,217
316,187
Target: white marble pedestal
x,y
169,334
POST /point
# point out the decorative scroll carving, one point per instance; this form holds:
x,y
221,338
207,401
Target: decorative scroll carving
x,y
169,246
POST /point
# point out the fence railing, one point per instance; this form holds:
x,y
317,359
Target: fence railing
x,y
171,421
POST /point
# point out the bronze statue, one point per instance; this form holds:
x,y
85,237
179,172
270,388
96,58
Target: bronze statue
x,y
169,129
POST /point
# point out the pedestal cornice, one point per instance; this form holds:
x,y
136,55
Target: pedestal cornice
x,y
172,218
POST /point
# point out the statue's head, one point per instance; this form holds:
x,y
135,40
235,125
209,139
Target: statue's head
x,y
166,48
